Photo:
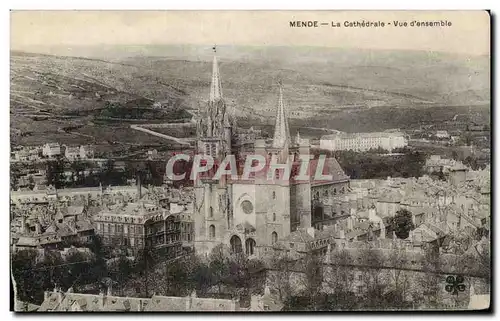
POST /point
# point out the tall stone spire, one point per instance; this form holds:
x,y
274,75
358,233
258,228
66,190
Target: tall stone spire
x,y
281,131
215,86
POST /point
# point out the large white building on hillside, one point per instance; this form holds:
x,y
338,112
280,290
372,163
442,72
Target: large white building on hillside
x,y
388,140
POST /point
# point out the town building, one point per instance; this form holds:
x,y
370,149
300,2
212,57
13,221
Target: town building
x,y
67,226
72,153
51,150
443,134
136,226
58,301
360,142
26,154
86,152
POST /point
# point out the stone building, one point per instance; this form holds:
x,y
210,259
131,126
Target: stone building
x,y
360,142
136,226
250,214
58,301
51,150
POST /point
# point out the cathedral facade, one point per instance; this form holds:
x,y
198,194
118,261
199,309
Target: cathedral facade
x,y
251,214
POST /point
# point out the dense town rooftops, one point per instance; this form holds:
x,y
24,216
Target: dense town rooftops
x,y
68,301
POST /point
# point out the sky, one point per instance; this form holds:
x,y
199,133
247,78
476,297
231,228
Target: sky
x,y
469,33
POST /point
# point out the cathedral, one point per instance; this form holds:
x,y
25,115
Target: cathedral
x,y
251,215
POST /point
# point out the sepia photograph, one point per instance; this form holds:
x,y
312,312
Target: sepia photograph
x,y
250,161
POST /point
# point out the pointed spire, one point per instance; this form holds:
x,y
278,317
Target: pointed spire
x,y
215,86
298,139
281,130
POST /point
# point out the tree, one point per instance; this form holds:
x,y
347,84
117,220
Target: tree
x,y
338,277
372,277
402,223
219,265
28,286
55,173
314,275
279,274
120,270
429,281
398,260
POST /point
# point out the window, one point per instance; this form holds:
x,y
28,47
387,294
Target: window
x,y
334,191
274,195
250,245
277,174
214,150
274,217
274,238
211,213
247,207
211,231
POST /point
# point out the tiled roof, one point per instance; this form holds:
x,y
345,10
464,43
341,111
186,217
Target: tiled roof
x,y
299,236
91,302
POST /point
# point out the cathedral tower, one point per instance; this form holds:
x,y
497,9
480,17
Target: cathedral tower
x,y
212,210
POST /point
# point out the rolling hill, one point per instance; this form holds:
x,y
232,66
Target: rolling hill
x,y
351,90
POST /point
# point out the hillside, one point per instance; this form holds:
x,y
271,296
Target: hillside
x,y
351,90
319,80
50,94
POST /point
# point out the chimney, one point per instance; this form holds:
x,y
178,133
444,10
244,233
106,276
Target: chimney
x,y
235,304
371,214
328,253
349,223
310,231
60,296
23,225
46,295
110,289
254,302
38,228
267,291
101,298
139,188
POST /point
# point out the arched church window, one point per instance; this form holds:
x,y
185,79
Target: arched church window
x,y
211,231
211,212
334,191
274,238
249,246
247,207
236,246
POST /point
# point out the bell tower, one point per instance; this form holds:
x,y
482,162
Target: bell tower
x,y
212,204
